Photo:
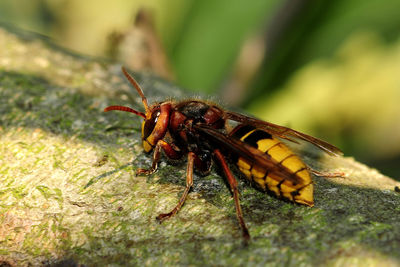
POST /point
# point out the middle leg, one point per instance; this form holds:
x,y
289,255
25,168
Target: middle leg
x,y
189,184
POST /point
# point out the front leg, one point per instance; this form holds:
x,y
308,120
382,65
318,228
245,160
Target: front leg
x,y
169,151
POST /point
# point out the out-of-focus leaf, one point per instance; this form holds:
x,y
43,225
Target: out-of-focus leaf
x,y
211,39
317,32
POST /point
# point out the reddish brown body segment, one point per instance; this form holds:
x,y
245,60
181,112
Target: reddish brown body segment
x,y
201,131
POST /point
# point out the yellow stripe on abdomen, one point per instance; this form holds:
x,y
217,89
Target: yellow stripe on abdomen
x,y
279,152
265,144
246,135
293,163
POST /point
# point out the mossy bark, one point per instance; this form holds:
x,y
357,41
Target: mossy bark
x,y
68,193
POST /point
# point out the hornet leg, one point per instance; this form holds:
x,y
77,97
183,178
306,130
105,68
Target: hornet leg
x,y
327,174
169,151
189,184
233,185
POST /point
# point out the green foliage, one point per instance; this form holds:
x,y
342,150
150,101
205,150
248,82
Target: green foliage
x,y
211,39
318,31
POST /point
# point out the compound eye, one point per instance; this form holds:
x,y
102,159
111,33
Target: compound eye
x,y
148,125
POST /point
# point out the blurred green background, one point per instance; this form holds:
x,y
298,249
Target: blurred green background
x,y
328,68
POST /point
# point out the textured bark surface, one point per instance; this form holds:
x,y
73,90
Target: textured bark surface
x,y
68,194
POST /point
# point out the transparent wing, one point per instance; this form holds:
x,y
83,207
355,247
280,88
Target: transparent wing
x,y
283,132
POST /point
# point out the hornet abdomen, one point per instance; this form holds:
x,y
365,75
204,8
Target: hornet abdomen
x,y
299,189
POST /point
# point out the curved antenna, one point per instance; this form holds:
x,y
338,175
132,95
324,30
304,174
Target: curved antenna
x,y
127,109
139,90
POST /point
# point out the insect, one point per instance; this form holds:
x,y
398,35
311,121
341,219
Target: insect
x,y
203,133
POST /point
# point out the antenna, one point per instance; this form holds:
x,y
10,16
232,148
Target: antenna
x,y
139,90
127,109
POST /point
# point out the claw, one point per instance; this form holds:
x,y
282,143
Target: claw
x,y
144,171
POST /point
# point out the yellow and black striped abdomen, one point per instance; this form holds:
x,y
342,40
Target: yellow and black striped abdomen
x,y
292,182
